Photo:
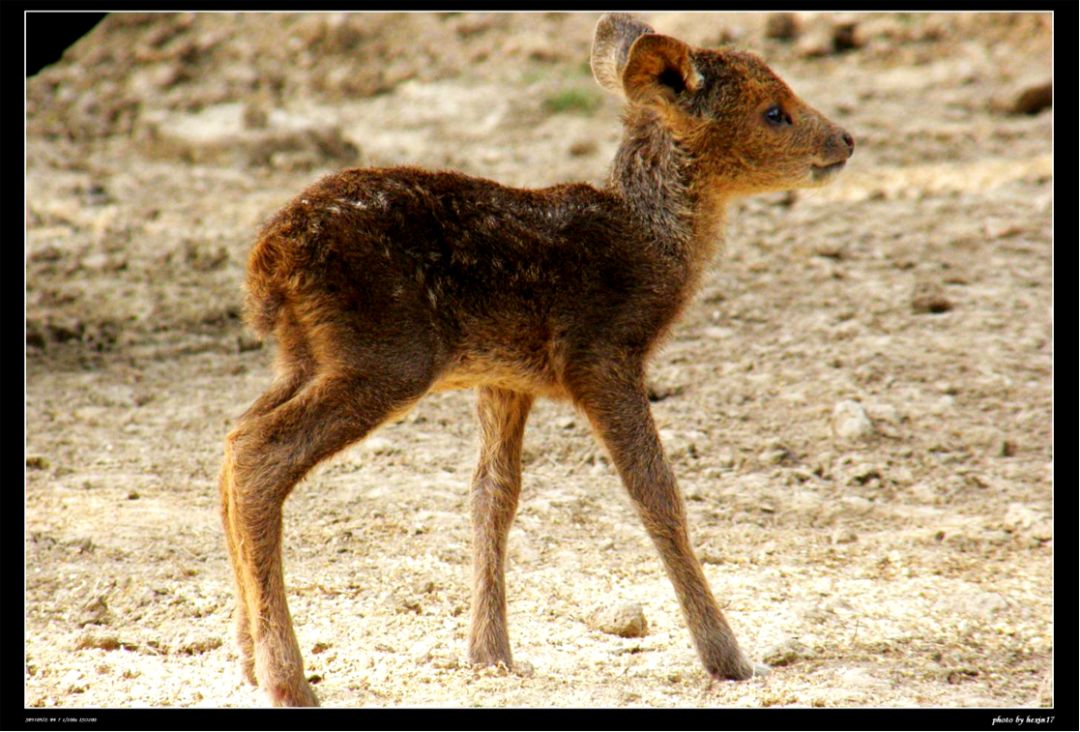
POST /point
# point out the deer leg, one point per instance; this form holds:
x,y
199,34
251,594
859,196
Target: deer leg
x,y
278,394
495,489
617,405
265,456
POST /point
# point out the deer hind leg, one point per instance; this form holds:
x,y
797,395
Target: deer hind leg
x,y
616,402
265,456
296,367
495,489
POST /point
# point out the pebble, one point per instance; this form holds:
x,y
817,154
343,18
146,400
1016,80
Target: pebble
x,y
776,455
817,40
378,446
942,405
782,26
583,147
725,457
626,620
681,444
1021,518
844,536
1030,95
856,504
421,651
929,298
850,421
883,412
36,462
786,652
95,612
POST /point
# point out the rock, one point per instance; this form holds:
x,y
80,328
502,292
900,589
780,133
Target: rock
x,y
882,412
929,297
36,462
626,620
378,446
844,35
95,612
684,444
1030,95
786,652
1023,519
421,651
725,457
844,536
816,40
856,505
942,405
583,147
782,26
850,421
246,343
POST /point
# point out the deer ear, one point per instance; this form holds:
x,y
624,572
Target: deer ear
x,y
658,69
614,34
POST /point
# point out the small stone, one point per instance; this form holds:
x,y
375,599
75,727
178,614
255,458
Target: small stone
x,y
378,446
582,148
626,620
882,412
856,505
817,40
421,651
566,423
36,462
725,457
844,536
777,455
942,405
782,26
844,35
1002,229
1027,96
245,343
95,612
929,297
786,652
850,421
681,445
103,642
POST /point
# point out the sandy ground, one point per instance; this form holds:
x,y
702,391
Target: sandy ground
x,y
908,565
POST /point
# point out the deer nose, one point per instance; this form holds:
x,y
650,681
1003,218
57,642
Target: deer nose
x,y
848,141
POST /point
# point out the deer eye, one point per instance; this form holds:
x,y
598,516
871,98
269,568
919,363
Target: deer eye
x,y
774,115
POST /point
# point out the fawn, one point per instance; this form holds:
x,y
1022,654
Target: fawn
x,y
381,285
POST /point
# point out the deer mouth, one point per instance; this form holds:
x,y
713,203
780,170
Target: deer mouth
x,y
822,173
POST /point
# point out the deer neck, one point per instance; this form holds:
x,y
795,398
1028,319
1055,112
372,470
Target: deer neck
x,y
654,174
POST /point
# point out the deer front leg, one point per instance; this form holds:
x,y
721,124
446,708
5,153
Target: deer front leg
x,y
617,405
495,489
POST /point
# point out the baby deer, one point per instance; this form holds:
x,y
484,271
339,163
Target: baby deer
x,y
381,285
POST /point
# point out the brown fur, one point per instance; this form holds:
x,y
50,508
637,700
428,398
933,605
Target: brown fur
x,y
382,285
